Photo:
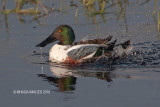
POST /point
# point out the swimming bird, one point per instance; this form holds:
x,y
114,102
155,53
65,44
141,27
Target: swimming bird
x,y
68,51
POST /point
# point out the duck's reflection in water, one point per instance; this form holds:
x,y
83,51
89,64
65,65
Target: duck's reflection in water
x,y
63,83
64,77
61,78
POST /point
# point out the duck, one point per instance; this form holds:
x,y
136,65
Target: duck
x,y
69,52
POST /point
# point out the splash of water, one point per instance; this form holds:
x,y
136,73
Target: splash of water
x,y
145,54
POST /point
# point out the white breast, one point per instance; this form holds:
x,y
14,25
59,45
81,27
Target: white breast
x,y
58,53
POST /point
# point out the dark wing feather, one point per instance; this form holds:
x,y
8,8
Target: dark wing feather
x,y
106,50
82,52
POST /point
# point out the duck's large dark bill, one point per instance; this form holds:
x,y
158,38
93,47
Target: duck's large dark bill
x,y
48,40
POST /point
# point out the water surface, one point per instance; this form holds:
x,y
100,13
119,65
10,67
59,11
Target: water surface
x,y
133,81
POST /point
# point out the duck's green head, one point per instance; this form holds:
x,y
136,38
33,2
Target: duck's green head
x,y
63,33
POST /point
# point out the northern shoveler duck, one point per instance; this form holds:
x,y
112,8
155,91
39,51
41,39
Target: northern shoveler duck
x,y
68,51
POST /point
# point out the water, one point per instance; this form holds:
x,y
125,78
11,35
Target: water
x,y
133,81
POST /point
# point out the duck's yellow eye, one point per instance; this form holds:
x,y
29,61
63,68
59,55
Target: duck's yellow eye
x,y
60,30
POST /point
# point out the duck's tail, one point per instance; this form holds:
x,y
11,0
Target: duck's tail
x,y
112,51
